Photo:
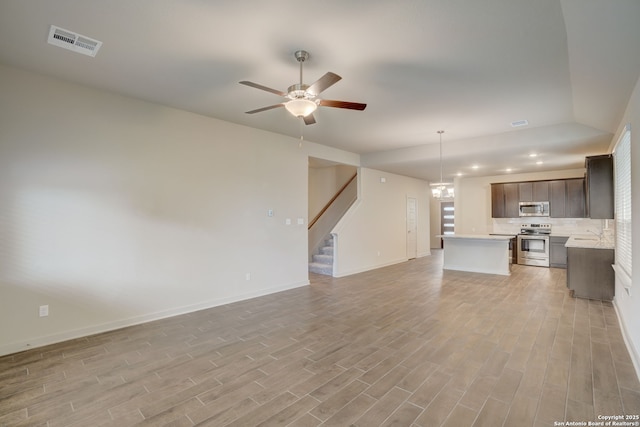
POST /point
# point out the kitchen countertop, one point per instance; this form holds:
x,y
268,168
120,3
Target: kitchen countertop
x,y
589,241
475,236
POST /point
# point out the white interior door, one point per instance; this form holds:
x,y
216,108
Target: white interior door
x,y
412,227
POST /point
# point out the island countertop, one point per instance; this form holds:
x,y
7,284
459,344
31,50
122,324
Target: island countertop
x,y
476,236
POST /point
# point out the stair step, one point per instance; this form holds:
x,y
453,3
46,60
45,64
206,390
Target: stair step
x,y
318,268
322,262
323,259
326,250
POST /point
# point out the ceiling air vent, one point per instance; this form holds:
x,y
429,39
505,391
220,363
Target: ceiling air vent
x,y
519,123
73,41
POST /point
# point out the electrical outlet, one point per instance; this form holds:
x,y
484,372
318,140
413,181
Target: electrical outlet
x,y
247,276
44,310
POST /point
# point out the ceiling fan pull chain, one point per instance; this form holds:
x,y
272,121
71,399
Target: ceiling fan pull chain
x,y
301,133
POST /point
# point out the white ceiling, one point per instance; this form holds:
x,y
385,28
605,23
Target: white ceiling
x,y
467,67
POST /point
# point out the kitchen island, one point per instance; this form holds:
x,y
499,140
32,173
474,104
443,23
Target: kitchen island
x,y
479,253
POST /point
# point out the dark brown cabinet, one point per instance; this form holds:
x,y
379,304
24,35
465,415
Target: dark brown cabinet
x,y
511,200
558,198
497,201
525,192
599,186
567,198
541,191
505,200
535,191
589,273
576,207
557,252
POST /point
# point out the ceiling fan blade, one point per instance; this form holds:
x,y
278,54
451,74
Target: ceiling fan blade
x,y
268,89
309,119
323,83
259,110
342,104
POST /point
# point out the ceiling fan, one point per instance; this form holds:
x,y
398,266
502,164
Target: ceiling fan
x,y
302,100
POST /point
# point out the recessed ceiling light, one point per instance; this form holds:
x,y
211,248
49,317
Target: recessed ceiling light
x,y
509,169
519,123
539,162
459,174
475,167
533,155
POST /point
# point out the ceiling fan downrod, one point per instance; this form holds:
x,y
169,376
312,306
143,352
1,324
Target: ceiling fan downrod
x,y
299,90
301,56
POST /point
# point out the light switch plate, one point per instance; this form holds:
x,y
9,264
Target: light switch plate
x,y
288,221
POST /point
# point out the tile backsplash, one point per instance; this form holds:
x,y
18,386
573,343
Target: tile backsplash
x,y
559,226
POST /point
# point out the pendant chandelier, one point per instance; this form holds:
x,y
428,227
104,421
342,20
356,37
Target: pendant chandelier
x,y
441,190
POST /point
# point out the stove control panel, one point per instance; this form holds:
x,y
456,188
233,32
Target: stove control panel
x,y
535,228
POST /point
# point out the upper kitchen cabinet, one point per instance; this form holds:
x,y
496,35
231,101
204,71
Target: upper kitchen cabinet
x,y
599,186
536,191
497,201
504,200
567,198
511,200
576,207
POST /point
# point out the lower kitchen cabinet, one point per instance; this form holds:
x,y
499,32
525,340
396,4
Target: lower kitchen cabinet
x,y
589,273
557,252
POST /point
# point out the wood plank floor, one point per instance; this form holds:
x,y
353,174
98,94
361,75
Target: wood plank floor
x,y
406,345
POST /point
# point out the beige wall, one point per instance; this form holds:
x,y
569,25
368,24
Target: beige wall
x,y
374,232
324,182
115,211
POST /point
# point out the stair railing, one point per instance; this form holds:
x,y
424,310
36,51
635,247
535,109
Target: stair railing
x,y
323,223
333,199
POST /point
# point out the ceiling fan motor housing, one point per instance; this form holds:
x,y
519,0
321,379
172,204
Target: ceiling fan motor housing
x,y
299,91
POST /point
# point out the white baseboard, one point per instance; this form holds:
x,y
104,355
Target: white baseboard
x,y
137,320
635,356
371,267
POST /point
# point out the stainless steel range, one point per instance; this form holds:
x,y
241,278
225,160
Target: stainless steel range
x,y
533,244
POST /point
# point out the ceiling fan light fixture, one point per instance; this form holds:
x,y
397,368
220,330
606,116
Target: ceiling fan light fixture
x,y
301,107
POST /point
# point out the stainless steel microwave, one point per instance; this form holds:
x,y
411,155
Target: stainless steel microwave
x,y
534,208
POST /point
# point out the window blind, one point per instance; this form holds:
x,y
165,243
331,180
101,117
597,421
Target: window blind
x,y
622,168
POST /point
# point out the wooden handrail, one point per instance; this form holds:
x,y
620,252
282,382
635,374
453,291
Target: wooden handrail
x,y
333,199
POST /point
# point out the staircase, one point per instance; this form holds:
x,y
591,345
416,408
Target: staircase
x,y
322,262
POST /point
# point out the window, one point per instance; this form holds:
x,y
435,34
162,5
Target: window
x,y
622,168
